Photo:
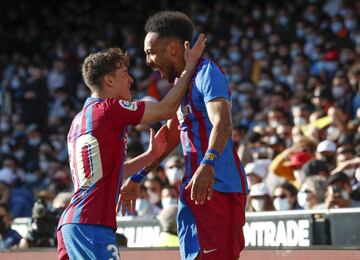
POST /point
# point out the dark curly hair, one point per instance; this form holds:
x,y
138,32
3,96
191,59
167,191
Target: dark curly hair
x,y
99,64
171,24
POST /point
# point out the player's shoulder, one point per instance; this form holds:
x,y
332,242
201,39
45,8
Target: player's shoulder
x,y
122,105
207,67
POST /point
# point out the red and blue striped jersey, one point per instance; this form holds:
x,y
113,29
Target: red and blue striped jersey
x,y
208,83
96,146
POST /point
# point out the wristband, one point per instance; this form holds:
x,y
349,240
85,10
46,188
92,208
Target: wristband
x,y
210,157
139,176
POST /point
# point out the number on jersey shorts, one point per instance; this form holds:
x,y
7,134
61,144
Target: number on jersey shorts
x,y
80,241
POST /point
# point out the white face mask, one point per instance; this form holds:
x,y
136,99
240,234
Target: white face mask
x,y
174,175
153,197
357,174
142,206
258,204
338,91
332,133
350,172
345,195
302,198
299,176
299,121
168,201
281,204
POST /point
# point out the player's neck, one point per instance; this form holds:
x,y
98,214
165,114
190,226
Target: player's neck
x,y
100,94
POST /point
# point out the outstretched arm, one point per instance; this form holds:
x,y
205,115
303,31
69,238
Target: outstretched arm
x,y
130,189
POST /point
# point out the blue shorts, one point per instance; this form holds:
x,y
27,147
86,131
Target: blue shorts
x,y
187,231
80,241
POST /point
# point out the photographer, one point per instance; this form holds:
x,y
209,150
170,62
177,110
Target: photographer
x,y
339,192
9,238
43,225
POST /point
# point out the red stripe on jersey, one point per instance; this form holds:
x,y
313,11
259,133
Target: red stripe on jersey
x,y
86,161
241,173
202,128
72,209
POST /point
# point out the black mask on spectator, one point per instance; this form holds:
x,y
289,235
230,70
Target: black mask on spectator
x,y
3,228
329,159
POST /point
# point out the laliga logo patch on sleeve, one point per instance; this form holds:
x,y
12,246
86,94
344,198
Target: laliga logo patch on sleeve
x,y
128,105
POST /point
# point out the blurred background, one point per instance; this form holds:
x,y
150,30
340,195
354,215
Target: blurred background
x,y
293,68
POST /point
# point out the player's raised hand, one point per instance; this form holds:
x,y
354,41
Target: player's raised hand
x,y
127,198
157,142
201,183
193,54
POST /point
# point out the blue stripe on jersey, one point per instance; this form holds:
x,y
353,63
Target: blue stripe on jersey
x,y
89,121
78,207
74,200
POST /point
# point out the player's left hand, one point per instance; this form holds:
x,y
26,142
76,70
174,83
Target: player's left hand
x,y
127,198
202,183
158,142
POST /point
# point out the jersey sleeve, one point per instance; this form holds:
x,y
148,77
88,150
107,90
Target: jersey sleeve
x,y
122,113
213,83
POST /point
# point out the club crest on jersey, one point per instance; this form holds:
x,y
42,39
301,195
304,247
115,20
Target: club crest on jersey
x,y
128,105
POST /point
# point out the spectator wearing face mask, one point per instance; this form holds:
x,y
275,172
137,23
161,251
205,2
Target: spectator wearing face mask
x,y
255,173
174,170
20,200
154,187
169,196
342,92
339,192
285,197
326,151
311,193
348,163
259,198
143,208
9,238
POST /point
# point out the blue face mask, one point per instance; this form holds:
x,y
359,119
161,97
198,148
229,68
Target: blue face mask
x,y
235,56
34,141
336,27
259,55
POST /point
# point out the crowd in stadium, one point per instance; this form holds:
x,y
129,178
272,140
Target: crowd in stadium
x,y
294,72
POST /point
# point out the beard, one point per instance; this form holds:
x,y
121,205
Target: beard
x,y
172,74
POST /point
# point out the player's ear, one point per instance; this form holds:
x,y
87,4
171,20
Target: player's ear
x,y
107,80
173,47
